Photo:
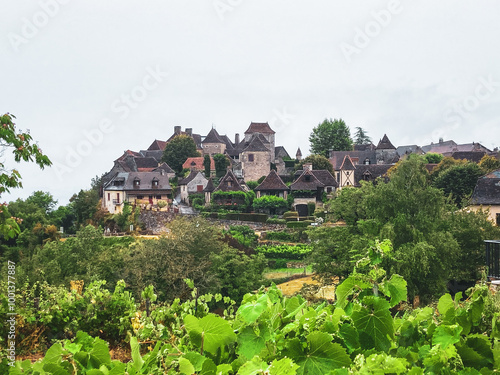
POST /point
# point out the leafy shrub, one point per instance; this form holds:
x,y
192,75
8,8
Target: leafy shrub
x,y
299,224
270,203
281,236
275,221
284,251
260,218
291,215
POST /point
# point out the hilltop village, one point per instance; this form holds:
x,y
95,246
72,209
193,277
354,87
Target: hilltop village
x,y
255,163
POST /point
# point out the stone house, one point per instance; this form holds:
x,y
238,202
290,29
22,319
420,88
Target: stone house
x,y
194,183
486,195
255,159
135,188
306,189
272,185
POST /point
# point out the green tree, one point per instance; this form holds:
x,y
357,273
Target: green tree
x,y
459,181
43,200
206,164
433,158
319,162
23,149
330,135
489,164
178,150
85,205
221,163
361,137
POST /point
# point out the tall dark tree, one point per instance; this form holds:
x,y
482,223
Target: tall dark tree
x,y
459,181
361,137
330,135
221,163
178,150
206,164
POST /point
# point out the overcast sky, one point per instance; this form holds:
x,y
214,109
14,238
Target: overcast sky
x,y
91,79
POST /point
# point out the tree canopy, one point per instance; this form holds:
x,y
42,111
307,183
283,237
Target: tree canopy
x,y
23,149
221,163
330,135
319,162
178,150
434,242
361,137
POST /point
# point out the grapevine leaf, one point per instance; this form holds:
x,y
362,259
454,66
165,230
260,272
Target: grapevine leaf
x,y
350,336
99,354
196,360
395,289
319,357
186,367
446,335
385,364
348,287
249,343
224,369
136,355
253,367
94,372
54,353
209,367
374,324
251,311
476,352
212,331
283,366
446,308
55,369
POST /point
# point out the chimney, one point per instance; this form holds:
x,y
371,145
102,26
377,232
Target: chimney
x,y
177,130
237,139
189,131
307,166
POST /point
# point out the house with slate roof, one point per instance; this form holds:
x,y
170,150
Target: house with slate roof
x,y
194,183
486,195
272,185
255,159
135,188
306,189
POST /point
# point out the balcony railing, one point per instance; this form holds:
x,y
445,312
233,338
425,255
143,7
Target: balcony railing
x,y
117,202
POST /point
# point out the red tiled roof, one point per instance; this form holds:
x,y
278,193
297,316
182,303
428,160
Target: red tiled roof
x,y
260,127
197,163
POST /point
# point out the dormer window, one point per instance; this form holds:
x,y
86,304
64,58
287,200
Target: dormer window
x,y
137,182
308,178
155,183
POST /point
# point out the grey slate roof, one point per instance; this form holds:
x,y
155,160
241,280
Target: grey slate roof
x,y
410,149
213,137
306,181
189,178
146,181
370,172
210,187
385,144
164,167
325,177
487,190
229,178
359,157
272,182
347,164
256,144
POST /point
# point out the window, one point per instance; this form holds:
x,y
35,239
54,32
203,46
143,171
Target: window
x,y
137,182
498,220
109,196
308,178
250,157
229,184
140,197
199,188
158,197
155,182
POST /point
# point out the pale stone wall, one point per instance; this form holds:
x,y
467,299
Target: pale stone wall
x,y
494,210
260,166
213,148
111,203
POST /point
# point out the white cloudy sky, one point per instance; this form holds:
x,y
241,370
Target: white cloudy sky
x,y
416,70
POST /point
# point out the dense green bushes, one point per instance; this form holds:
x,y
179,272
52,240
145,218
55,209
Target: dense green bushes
x,y
299,251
